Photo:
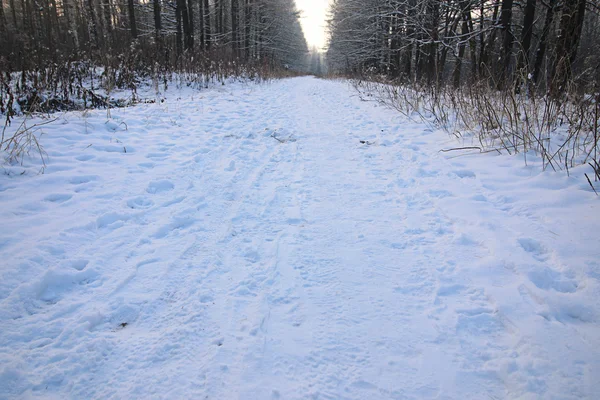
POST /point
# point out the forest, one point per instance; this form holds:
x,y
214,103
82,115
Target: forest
x,y
53,46
541,44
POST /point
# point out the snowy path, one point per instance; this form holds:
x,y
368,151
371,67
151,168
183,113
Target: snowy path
x,y
212,260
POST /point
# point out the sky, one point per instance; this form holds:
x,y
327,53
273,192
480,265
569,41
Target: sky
x,y
314,14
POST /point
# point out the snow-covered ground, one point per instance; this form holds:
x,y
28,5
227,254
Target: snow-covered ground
x,y
243,243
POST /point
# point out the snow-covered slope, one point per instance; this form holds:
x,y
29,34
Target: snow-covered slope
x,y
290,241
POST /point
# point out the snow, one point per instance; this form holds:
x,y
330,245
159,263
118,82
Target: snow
x,y
288,240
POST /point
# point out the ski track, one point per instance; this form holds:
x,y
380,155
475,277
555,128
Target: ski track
x,y
181,251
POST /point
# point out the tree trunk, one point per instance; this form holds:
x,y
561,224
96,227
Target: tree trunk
x,y
108,23
248,30
395,58
525,45
14,14
190,9
47,21
234,27
217,17
78,27
158,31
527,33
486,46
70,18
450,26
54,17
461,46
157,19
433,16
260,21
93,24
410,33
132,24
182,16
507,42
541,50
201,27
178,34
580,22
567,43
208,33
3,24
221,16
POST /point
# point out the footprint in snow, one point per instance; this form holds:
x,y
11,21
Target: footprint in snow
x,y
140,202
58,198
122,316
85,157
231,166
80,180
532,246
480,198
111,221
157,156
450,290
79,265
440,194
546,279
206,298
466,240
174,226
160,186
479,322
465,173
54,285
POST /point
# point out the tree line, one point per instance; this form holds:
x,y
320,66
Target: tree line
x,y
37,33
528,43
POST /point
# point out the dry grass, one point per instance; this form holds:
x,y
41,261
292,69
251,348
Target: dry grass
x,y
24,142
564,132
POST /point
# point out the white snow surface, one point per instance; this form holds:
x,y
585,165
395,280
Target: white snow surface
x,y
242,243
